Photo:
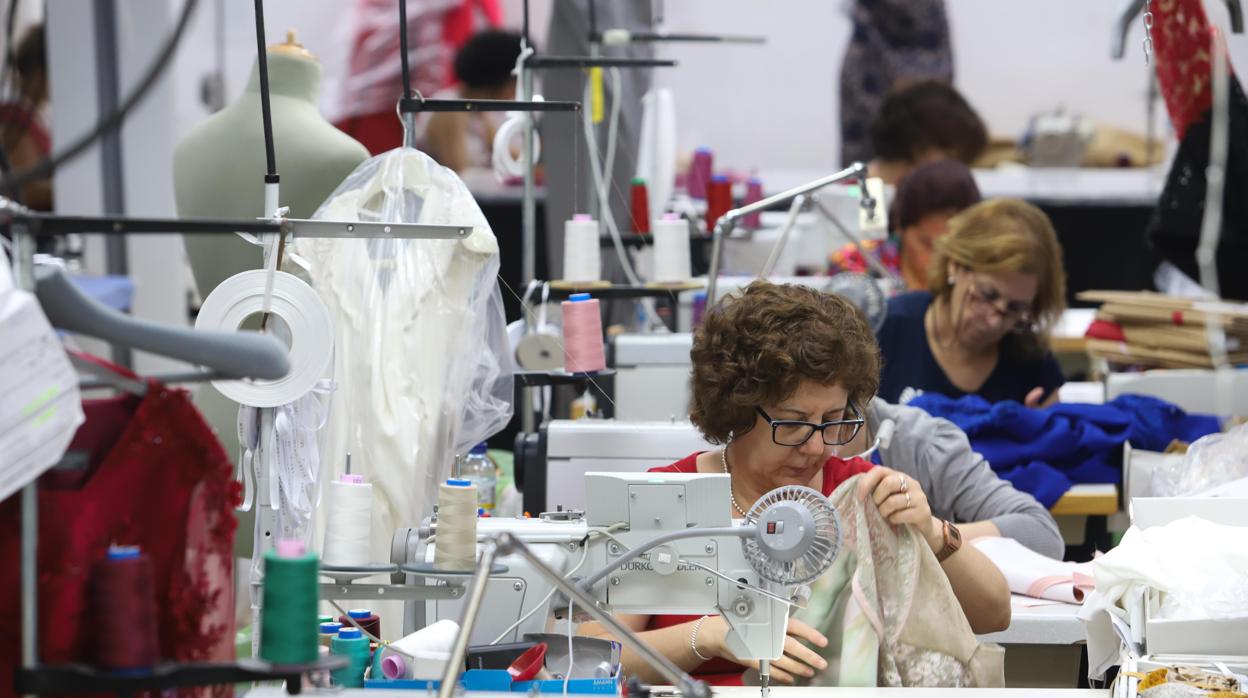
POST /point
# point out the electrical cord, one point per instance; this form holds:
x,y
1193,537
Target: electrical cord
x,y
407,75
112,121
266,113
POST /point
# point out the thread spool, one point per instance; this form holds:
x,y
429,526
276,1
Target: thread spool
x,y
421,655
366,619
640,206
348,526
352,644
671,249
753,193
582,335
288,630
582,253
123,602
328,631
718,200
700,173
456,548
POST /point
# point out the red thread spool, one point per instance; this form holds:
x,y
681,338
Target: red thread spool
x,y
582,335
366,619
641,207
123,604
700,173
753,193
718,200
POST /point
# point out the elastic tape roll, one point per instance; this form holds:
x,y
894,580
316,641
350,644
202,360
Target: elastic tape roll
x,y
297,304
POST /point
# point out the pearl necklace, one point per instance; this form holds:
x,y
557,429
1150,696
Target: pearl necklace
x,y
723,459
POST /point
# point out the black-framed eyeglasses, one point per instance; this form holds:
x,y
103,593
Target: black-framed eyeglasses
x,y
792,432
1015,314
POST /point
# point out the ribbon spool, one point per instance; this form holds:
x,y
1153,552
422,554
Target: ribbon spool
x,y
297,305
123,603
671,250
582,335
288,629
582,252
348,526
540,349
456,548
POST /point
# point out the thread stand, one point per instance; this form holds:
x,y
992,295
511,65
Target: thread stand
x,y
542,379
344,588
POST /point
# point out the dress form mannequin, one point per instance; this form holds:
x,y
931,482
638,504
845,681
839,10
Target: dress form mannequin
x,y
218,172
218,169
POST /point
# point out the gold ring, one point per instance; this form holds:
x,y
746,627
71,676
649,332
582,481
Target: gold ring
x,y
904,483
908,504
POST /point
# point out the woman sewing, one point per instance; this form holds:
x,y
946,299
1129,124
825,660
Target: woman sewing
x,y
996,286
780,373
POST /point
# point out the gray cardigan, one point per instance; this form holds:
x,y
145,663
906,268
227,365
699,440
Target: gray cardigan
x,y
960,485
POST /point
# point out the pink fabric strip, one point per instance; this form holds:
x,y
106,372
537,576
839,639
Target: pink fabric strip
x,y
865,606
1042,584
1083,581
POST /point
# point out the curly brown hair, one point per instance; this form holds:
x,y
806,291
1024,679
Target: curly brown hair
x,y
756,347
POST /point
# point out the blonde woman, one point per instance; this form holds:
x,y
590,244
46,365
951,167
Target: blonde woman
x,y
996,287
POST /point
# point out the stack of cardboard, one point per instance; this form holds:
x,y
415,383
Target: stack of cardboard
x,y
1154,330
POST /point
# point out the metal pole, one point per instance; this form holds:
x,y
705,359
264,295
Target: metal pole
x,y
107,82
728,221
472,607
689,687
24,271
529,209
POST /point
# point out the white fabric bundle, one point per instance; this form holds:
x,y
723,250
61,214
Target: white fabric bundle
x,y
421,355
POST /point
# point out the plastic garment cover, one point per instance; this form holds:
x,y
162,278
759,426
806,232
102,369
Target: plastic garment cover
x,y
1212,460
421,359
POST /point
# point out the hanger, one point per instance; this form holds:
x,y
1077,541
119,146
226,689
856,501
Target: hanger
x,y
1131,9
232,355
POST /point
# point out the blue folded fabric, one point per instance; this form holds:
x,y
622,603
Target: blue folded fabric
x,y
1045,451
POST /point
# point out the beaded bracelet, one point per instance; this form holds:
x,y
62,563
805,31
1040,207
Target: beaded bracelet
x,y
693,639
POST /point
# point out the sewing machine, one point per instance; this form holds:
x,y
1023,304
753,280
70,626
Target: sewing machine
x,y
650,543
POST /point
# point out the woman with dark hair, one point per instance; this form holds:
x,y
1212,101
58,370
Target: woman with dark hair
x,y
23,121
996,288
926,199
465,140
781,377
922,122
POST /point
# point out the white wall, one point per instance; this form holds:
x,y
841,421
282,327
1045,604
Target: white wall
x,y
775,106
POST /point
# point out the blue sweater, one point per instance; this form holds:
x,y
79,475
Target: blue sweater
x,y
1043,452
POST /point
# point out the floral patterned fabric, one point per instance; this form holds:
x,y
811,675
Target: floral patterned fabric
x,y
888,611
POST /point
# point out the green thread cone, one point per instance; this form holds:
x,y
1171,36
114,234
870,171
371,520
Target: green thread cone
x,y
288,628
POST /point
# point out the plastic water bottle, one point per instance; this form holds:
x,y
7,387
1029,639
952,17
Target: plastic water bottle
x,y
477,468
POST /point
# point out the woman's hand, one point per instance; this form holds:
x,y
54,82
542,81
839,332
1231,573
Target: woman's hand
x,y
901,500
799,660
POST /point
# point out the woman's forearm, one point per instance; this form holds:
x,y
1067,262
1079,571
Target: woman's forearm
x,y
671,642
981,589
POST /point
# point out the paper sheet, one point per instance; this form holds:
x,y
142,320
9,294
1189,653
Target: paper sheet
x,y
40,408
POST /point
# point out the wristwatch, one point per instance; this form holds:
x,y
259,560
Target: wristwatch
x,y
953,542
